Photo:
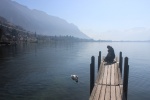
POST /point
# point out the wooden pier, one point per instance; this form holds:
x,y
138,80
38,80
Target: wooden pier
x,y
109,84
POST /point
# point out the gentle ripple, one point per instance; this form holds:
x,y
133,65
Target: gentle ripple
x,y
42,71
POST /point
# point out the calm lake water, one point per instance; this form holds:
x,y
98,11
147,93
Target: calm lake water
x,y
42,71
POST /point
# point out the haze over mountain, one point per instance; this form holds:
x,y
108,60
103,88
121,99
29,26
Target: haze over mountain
x,y
37,21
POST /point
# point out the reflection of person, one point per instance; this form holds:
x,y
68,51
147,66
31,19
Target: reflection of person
x,y
110,56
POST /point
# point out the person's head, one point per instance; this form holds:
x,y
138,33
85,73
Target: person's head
x,y
108,46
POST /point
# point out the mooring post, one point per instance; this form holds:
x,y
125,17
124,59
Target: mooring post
x,y
125,80
99,60
92,73
120,62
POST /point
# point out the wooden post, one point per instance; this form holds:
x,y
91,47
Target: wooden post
x,y
125,80
120,62
99,60
92,73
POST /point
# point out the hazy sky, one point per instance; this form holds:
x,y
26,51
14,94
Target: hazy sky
x,y
101,19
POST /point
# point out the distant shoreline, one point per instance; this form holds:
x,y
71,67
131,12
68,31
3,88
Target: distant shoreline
x,y
120,41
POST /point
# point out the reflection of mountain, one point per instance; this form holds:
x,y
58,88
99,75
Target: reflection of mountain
x,y
34,20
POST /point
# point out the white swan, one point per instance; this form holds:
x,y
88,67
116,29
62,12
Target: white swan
x,y
74,77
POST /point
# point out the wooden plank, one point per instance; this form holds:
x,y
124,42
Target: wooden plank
x,y
103,91
99,73
97,94
93,92
108,75
113,93
107,95
119,75
112,75
105,74
116,74
102,74
121,89
98,76
118,95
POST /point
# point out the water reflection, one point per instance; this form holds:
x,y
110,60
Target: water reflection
x,y
42,71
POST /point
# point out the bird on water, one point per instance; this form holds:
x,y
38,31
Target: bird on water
x,y
74,77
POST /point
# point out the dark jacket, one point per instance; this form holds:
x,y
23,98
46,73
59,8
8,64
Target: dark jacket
x,y
111,55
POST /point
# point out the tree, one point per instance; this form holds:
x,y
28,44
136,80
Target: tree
x,y
1,33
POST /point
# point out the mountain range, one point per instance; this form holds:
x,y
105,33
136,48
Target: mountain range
x,y
38,21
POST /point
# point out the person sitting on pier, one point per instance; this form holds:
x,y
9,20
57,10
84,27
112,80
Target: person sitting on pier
x,y
110,56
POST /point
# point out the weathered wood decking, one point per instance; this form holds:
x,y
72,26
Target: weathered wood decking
x,y
108,85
